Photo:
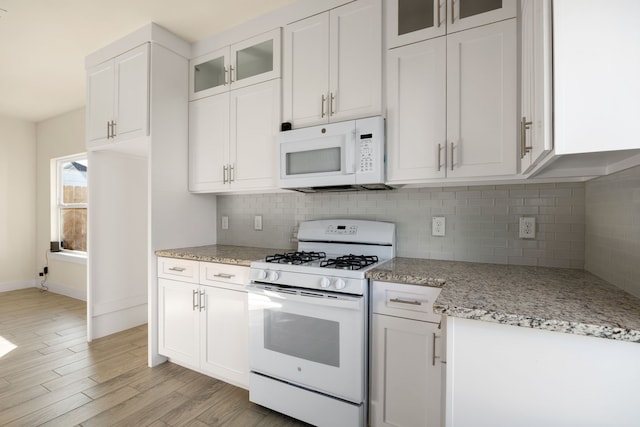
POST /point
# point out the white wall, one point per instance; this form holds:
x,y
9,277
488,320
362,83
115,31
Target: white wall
x,y
60,136
17,203
613,229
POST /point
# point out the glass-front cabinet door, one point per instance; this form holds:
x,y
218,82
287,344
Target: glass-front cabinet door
x,y
465,14
248,62
409,21
209,74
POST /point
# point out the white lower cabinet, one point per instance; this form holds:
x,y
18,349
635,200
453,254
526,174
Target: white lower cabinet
x,y
406,355
204,325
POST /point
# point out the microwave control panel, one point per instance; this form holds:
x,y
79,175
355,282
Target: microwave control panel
x,y
366,153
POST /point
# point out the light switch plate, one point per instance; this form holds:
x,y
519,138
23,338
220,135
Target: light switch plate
x,y
437,226
225,222
527,229
257,222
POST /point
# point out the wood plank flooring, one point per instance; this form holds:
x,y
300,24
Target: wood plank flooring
x,y
53,377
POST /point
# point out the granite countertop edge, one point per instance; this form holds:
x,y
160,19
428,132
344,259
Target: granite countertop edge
x,y
222,254
470,292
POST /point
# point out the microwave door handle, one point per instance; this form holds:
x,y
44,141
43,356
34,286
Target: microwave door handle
x,y
350,158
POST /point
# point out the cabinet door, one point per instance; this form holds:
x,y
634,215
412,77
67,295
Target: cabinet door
x,y
596,68
100,102
178,321
536,97
416,111
306,71
465,14
405,373
481,101
226,335
254,118
209,74
355,79
255,60
410,21
132,94
208,142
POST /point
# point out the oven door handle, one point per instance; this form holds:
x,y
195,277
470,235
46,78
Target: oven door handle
x,y
308,297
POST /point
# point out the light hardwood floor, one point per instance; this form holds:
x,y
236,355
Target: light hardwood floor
x,y
55,378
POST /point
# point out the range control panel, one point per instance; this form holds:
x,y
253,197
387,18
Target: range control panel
x,y
342,229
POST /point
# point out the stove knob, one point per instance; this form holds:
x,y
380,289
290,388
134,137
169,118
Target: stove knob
x,y
325,282
340,284
273,276
262,274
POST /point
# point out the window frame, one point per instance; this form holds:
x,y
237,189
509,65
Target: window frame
x,y
58,200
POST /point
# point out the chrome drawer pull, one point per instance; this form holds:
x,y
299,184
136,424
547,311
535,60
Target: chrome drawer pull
x,y
178,269
224,275
195,303
404,301
433,359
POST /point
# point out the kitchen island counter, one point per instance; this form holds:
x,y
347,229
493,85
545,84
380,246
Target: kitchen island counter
x,y
555,299
223,254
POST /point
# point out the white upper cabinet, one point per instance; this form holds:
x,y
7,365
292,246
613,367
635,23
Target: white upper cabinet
x,y
242,64
409,21
416,111
536,137
482,101
118,98
596,68
333,65
451,106
232,139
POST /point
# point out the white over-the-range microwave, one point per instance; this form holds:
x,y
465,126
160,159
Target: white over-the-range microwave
x,y
333,157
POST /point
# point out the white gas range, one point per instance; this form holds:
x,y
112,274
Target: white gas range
x,y
309,322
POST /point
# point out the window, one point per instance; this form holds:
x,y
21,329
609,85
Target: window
x,y
71,206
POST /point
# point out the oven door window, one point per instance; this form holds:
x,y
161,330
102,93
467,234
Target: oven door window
x,y
314,161
304,337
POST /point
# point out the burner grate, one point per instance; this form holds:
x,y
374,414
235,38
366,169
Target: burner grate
x,y
350,262
295,258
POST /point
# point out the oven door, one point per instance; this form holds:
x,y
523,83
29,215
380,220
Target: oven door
x,y
312,339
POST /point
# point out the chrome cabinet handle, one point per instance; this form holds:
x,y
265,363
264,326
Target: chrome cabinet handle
x,y
224,275
332,98
230,74
195,303
324,99
434,357
178,269
404,301
226,76
201,301
439,149
452,156
108,130
113,129
452,16
224,174
524,126
232,174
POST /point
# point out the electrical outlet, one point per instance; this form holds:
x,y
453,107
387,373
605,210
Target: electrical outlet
x,y
225,222
257,222
527,229
437,226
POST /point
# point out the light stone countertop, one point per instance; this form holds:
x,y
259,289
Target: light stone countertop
x,y
223,254
554,299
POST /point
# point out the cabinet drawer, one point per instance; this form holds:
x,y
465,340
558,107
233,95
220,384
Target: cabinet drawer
x,y
233,276
407,301
178,269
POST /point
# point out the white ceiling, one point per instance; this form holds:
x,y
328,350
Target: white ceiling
x,y
43,43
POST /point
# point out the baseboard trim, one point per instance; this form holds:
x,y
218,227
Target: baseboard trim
x,y
18,284
65,290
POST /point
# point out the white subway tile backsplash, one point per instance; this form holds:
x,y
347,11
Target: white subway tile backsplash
x,y
482,221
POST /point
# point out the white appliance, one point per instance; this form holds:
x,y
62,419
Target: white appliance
x,y
309,322
333,157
